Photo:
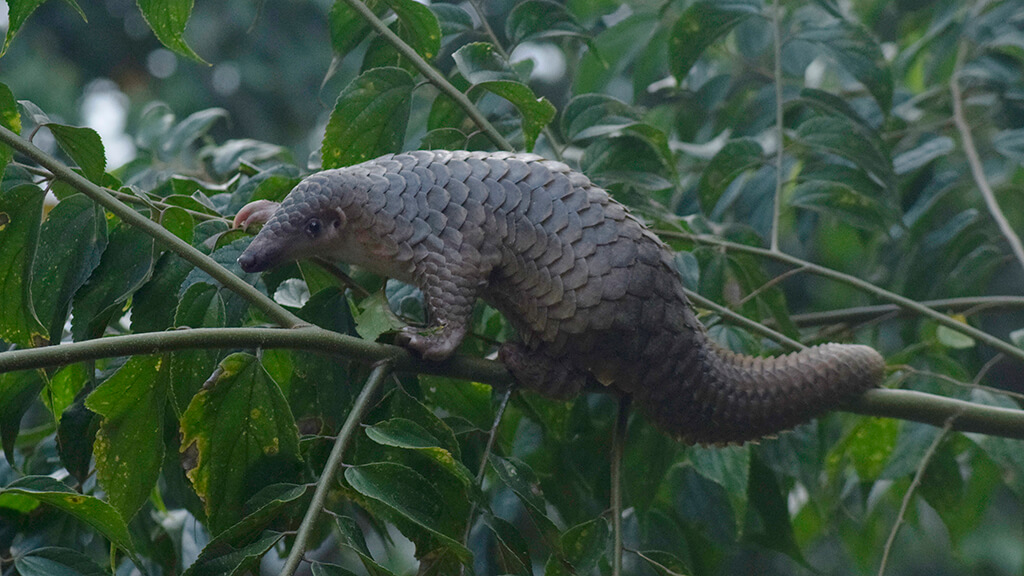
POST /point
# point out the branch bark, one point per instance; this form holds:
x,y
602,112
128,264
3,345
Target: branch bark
x,y
903,404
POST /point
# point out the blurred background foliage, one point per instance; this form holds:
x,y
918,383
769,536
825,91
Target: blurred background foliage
x,y
672,106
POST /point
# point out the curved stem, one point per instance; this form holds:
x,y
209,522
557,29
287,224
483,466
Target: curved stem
x,y
432,75
910,492
755,327
902,301
505,396
103,197
779,128
618,449
866,313
327,477
974,161
936,410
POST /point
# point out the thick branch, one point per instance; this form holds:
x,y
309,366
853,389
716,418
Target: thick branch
x,y
904,404
178,246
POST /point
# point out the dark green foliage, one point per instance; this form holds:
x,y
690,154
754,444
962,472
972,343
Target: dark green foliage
x,y
673,107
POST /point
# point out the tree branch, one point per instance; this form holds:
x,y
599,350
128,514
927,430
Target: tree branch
x,y
432,75
902,301
779,128
103,197
866,313
327,477
971,151
903,404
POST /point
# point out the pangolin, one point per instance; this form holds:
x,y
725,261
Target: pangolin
x,y
591,292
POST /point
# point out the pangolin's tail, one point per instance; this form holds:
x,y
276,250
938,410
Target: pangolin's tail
x,y
718,396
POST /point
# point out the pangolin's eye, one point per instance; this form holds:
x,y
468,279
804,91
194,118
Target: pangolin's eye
x,y
313,227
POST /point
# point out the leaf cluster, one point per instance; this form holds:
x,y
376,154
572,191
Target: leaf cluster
x,y
844,153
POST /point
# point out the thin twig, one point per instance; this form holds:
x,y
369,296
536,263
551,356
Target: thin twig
x,y
965,306
770,283
779,128
327,477
483,460
618,449
431,74
903,301
977,171
743,321
910,492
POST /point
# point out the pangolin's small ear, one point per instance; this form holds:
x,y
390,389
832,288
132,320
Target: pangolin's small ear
x,y
339,219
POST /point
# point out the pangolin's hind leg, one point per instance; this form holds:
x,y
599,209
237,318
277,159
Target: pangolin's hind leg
x,y
535,370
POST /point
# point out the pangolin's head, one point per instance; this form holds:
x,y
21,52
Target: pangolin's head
x,y
303,225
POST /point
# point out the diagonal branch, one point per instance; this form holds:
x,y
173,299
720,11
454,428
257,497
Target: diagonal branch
x,y
977,171
327,477
902,301
431,74
103,197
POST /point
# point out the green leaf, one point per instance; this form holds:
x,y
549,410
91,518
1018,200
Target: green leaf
x,y
772,527
522,480
375,317
842,201
93,511
18,391
369,118
201,306
71,242
443,139
84,146
735,158
226,158
701,25
869,445
513,552
922,154
230,560
485,69
192,128
536,112
406,494
352,537
584,544
404,433
664,563
167,19
593,115
126,264
1009,143
480,62
238,435
319,569
21,210
241,545
539,19
53,561
348,28
729,467
9,117
838,135
18,13
853,48
418,26
129,447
